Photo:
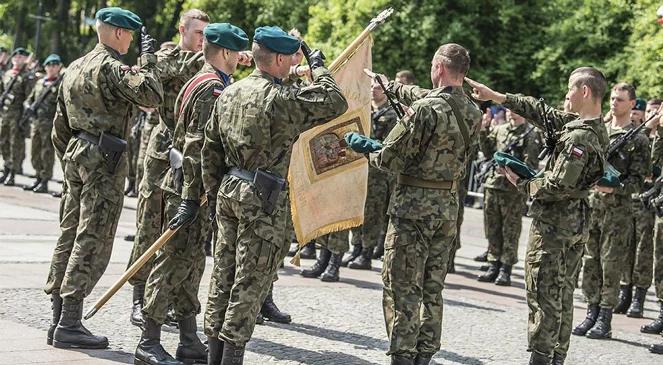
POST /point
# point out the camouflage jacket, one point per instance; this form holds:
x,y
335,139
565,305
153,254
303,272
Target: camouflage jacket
x,y
19,91
254,123
383,121
560,191
46,109
428,145
499,138
174,68
96,95
189,135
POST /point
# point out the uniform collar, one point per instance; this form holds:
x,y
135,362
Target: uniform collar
x,y
456,90
266,76
102,47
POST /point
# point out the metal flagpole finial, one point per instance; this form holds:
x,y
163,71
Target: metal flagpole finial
x,y
380,18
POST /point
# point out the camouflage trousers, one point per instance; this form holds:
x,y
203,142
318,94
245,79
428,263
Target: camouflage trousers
x,y
658,257
246,256
12,141
41,150
502,222
639,260
380,186
603,263
416,255
89,213
178,267
552,262
142,151
336,242
149,215
133,145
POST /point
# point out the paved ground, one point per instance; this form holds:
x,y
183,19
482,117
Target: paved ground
x,y
339,323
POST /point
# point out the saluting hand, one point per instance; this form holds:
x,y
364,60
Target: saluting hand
x,y
483,92
245,58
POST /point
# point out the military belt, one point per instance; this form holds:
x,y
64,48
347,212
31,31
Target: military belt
x,y
87,137
246,175
428,184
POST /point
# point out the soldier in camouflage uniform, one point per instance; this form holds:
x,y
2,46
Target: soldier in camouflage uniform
x,y
15,86
560,209
428,152
177,270
253,125
611,219
380,185
503,203
638,262
174,68
89,133
328,263
43,99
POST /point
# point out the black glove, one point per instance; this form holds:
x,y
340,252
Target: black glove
x,y
314,58
186,213
147,43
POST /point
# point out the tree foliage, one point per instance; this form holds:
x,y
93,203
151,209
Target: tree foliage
x,y
520,46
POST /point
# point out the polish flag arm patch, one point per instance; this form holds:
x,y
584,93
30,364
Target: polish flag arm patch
x,y
217,91
576,151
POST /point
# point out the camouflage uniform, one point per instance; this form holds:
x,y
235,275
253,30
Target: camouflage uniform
x,y
174,68
430,148
336,242
254,123
503,203
151,121
559,229
96,96
12,140
178,267
639,263
380,185
657,153
611,221
42,153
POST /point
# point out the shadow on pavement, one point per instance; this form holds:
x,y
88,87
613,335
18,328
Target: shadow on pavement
x,y
636,344
111,355
283,352
456,358
360,341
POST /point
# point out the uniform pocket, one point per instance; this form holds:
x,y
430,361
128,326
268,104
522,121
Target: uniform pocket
x,y
400,256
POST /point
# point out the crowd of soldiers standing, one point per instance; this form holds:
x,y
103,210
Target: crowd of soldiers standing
x,y
199,139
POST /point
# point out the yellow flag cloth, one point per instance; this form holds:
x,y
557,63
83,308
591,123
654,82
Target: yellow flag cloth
x,y
328,181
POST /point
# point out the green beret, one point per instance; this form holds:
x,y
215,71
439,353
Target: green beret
x,y
609,180
520,168
226,36
52,59
640,104
276,40
20,50
119,17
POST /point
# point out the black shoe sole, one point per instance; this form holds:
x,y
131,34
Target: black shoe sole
x,y
359,268
634,315
594,337
49,341
192,361
329,280
503,283
67,345
651,332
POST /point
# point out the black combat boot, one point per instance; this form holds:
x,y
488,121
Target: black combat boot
x,y
363,261
42,188
656,326
504,278
638,303
232,355
625,295
130,188
4,175
271,312
149,350
538,359
214,351
602,329
56,306
401,360
356,251
294,247
70,332
482,258
451,265
588,323
136,317
492,272
558,359
34,185
190,350
379,250
331,274
308,251
320,265
656,348
10,179
260,319
423,359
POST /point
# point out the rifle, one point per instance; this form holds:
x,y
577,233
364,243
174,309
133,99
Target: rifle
x,y
488,165
648,196
31,110
7,93
391,98
550,133
614,149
